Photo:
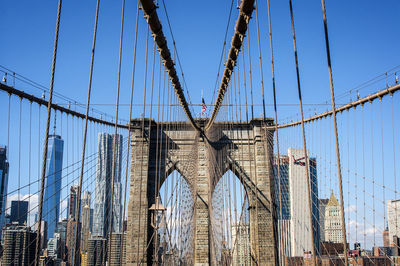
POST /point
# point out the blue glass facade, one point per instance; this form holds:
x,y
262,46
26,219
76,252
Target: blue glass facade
x,y
51,203
315,203
3,184
284,172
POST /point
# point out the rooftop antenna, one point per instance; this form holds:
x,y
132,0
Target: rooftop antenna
x,y
55,121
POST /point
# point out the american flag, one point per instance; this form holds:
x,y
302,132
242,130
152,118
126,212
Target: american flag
x,y
203,106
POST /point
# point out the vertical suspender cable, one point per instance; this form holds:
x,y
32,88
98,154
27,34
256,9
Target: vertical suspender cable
x,y
276,132
250,76
259,56
19,156
76,251
394,161
339,169
304,136
30,159
115,134
383,168
44,161
142,140
129,127
8,125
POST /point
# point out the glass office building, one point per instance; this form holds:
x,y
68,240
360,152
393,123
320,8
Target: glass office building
x,y
51,203
3,184
103,185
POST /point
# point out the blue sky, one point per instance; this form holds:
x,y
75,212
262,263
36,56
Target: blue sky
x,y
364,37
363,44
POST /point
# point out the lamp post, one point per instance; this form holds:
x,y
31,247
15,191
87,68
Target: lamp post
x,y
157,212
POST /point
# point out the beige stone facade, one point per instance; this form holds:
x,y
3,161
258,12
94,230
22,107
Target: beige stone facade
x,y
246,149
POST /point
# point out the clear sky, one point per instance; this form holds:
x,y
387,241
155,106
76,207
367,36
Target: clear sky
x,y
364,37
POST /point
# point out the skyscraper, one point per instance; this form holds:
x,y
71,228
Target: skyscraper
x,y
62,231
53,246
103,185
300,226
70,241
19,245
3,184
284,221
19,211
385,236
118,249
51,203
393,214
322,207
73,201
85,227
96,247
333,221
86,200
43,233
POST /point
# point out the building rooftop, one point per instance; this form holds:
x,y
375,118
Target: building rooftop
x,y
332,200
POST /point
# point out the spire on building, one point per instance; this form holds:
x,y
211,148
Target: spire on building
x,y
332,200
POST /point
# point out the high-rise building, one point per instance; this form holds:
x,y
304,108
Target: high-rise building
x,y
53,246
393,214
240,233
117,255
333,221
322,207
51,203
96,247
19,245
300,227
70,241
73,201
62,231
284,220
103,185
3,184
85,227
43,233
19,211
385,236
87,200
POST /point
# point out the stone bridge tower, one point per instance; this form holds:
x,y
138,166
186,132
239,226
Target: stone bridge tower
x,y
202,159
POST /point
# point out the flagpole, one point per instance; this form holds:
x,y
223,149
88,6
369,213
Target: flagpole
x,y
202,99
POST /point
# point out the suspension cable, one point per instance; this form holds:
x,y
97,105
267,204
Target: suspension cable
x,y
339,169
113,172
304,136
283,253
259,56
129,126
76,251
246,9
44,162
149,10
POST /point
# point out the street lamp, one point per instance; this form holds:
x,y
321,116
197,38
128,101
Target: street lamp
x,y
157,211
